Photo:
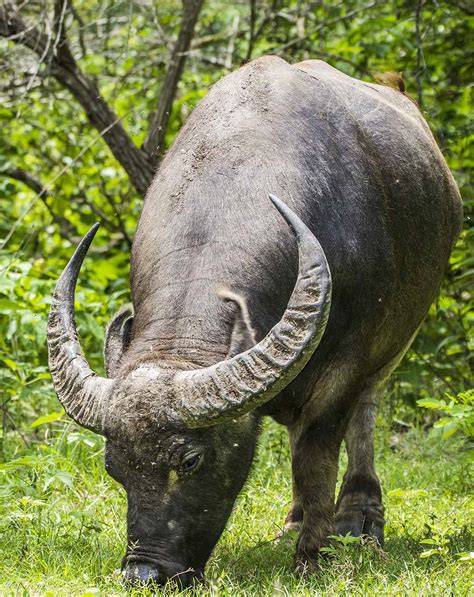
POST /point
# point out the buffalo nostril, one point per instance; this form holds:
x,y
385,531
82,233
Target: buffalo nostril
x,y
142,574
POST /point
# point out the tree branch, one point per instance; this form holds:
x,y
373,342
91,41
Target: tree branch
x,y
463,6
323,25
340,58
231,44
66,229
153,145
253,19
66,71
420,59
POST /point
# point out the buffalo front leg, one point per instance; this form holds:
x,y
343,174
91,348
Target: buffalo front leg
x,y
359,509
315,455
294,519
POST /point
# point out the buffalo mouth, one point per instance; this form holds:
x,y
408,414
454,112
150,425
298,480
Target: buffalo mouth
x,y
143,570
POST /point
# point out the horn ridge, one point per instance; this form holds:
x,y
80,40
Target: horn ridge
x,y
280,356
80,390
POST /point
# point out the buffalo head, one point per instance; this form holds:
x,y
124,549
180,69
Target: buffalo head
x,y
181,441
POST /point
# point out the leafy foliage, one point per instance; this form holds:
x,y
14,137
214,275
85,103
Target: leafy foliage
x,y
48,136
458,413
58,176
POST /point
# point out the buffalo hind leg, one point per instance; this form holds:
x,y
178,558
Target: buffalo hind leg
x,y
359,509
315,456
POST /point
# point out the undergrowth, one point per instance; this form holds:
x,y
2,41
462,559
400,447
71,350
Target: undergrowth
x,y
62,523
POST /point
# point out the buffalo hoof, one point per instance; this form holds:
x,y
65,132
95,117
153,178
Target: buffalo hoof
x,y
292,526
290,530
308,551
366,521
304,566
309,564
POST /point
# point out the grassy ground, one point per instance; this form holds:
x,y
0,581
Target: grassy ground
x,y
62,524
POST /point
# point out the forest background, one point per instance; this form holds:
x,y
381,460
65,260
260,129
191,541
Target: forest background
x,y
92,93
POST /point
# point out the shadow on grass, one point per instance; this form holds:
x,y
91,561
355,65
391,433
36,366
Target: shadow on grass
x,y
264,562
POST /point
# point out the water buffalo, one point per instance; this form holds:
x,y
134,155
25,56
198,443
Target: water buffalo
x,y
231,301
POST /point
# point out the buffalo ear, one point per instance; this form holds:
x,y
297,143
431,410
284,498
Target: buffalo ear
x,y
243,334
117,339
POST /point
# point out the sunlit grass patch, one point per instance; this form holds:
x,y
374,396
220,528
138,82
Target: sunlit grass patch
x,y
63,524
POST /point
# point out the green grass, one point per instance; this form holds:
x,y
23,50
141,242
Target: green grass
x,y
62,524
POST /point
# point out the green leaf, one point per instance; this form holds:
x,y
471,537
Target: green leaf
x,y
54,416
6,305
431,403
11,364
466,556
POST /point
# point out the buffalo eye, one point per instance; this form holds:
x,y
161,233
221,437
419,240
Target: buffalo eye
x,y
190,462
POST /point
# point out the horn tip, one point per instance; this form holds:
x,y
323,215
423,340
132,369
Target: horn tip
x,y
89,237
275,200
291,218
94,228
281,206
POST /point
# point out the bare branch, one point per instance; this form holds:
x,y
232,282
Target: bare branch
x,y
324,24
46,188
66,71
60,9
231,45
66,229
80,23
339,58
120,226
465,7
28,179
420,59
153,145
253,19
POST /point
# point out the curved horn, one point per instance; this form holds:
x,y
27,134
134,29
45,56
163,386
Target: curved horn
x,y
82,393
238,385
